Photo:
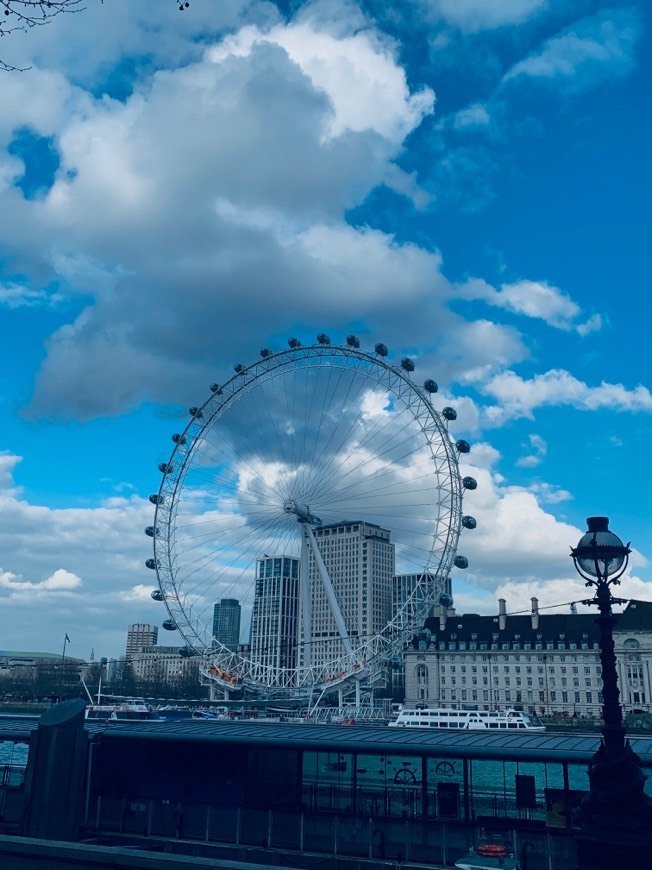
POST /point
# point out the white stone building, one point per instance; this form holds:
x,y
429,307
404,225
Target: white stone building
x,y
545,664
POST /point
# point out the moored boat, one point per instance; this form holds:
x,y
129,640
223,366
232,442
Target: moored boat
x,y
476,720
130,710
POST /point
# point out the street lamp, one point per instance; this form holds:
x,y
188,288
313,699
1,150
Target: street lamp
x,y
616,780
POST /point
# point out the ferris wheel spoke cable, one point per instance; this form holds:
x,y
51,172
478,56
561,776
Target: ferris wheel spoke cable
x,y
234,542
380,454
323,456
331,493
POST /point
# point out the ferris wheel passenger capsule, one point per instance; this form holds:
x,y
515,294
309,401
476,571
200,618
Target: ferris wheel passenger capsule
x,y
462,446
151,564
469,522
461,562
169,625
238,368
155,498
322,338
294,342
157,595
265,352
151,532
446,600
166,467
381,349
407,364
216,388
195,412
353,341
449,413
430,386
469,483
179,439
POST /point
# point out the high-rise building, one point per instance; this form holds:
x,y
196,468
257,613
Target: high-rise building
x,y
275,616
359,558
139,634
226,622
404,587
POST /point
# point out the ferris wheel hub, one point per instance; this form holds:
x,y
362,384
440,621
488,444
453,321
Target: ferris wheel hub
x,y
301,512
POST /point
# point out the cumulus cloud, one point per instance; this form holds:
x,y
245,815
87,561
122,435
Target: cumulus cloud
x,y
82,568
229,178
60,581
519,397
584,54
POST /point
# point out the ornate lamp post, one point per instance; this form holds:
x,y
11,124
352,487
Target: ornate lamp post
x,y
617,809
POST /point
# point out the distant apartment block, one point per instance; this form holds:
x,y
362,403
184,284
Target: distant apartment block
x,y
139,635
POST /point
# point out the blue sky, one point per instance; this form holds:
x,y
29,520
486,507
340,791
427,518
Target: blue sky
x,y
465,180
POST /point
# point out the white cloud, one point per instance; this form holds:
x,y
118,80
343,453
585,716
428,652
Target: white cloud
x,y
474,15
506,545
586,52
365,87
535,299
72,569
519,396
538,448
473,116
19,296
60,581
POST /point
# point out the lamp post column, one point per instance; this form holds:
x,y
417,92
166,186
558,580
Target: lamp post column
x,y
613,730
616,814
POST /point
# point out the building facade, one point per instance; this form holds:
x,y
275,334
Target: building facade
x,y
275,616
545,664
164,665
139,634
359,558
226,622
404,587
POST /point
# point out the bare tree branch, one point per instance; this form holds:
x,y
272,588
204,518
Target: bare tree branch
x,y
17,15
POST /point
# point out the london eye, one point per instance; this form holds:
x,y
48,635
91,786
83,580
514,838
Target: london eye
x,y
325,467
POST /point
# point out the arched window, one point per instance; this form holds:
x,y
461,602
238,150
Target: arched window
x,y
422,682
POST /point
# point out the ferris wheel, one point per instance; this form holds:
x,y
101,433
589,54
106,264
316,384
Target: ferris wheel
x,y
300,487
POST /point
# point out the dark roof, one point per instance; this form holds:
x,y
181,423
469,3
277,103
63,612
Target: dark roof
x,y
551,627
636,617
539,746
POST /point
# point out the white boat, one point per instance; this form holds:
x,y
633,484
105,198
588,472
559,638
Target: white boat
x,y
470,720
130,710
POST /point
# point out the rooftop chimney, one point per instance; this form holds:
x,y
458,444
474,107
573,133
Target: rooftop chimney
x,y
502,614
535,613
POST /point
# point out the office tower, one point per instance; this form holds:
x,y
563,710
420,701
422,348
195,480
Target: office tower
x,y
275,617
139,635
403,588
226,622
359,558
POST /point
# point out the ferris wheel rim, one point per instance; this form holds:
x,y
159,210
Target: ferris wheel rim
x,y
203,419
